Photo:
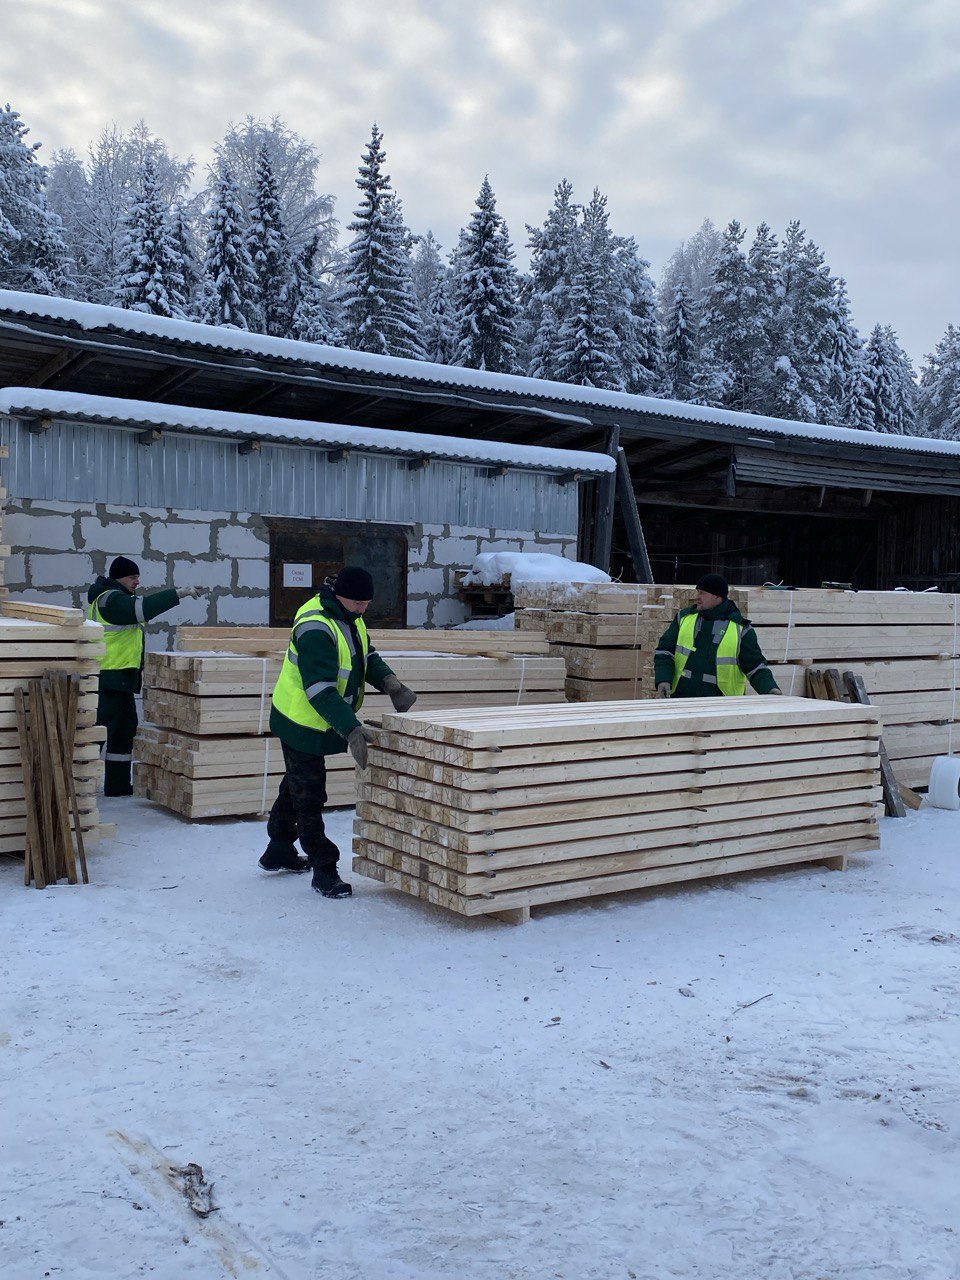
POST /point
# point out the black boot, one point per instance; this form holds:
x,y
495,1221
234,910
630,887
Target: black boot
x,y
280,855
326,880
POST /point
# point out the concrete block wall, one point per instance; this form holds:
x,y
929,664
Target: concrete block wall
x,y
59,549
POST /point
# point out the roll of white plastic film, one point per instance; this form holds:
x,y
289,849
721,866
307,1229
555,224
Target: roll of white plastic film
x,y
944,792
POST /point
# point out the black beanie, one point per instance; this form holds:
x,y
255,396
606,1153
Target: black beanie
x,y
123,568
714,584
353,584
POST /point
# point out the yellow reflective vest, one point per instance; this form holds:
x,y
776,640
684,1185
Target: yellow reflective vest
x,y
730,679
290,697
124,644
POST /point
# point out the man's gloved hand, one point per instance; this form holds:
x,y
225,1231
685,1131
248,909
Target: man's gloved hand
x,y
664,689
191,592
401,697
357,743
779,692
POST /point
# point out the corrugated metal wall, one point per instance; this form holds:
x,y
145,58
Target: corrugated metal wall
x,y
86,464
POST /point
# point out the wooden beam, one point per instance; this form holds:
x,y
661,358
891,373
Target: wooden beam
x,y
163,383
255,396
65,361
631,519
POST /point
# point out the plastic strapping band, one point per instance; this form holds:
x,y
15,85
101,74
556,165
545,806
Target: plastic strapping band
x,y
266,773
636,651
523,676
786,647
263,693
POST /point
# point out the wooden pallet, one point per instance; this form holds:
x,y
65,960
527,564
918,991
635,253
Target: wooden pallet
x,y
488,814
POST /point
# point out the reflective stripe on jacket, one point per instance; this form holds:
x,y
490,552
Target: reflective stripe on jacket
x,y
124,643
729,678
290,698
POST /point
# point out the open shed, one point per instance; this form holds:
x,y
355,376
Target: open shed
x,y
758,498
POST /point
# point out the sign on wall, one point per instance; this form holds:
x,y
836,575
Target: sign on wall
x,y
298,575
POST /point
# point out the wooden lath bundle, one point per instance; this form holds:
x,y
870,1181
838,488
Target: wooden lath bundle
x,y
47,717
495,812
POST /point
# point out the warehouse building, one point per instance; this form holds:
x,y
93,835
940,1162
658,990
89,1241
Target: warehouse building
x,y
756,498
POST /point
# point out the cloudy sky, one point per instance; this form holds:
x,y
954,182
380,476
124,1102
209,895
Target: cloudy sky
x,y
844,114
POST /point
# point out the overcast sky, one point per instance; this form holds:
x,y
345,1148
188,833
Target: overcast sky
x,y
844,114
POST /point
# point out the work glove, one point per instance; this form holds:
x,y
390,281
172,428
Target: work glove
x,y
664,689
401,697
779,692
191,592
357,743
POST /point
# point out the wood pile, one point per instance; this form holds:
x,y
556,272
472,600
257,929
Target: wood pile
x,y
207,751
272,641
5,547
495,814
905,646
42,644
493,601
605,632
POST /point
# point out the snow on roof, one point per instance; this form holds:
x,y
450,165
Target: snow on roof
x,y
71,405
92,317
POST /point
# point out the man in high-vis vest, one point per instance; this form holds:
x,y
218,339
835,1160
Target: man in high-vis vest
x,y
314,714
123,614
710,650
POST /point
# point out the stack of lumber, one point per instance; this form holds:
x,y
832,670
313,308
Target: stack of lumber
x,y
605,632
207,751
271,641
4,546
36,640
495,813
903,645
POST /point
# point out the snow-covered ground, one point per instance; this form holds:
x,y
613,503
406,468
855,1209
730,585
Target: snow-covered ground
x,y
754,1079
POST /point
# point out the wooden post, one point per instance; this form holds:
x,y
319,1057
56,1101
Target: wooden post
x,y
631,518
606,501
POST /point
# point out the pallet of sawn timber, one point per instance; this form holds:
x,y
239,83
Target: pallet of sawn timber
x,y
487,812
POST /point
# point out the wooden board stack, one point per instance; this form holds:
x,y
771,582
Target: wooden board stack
x,y
605,632
35,639
491,814
208,752
5,547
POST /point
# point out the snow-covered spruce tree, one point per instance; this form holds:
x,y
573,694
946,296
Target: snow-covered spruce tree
x,y
939,396
553,255
764,308
727,323
185,247
151,275
679,349
588,347
229,288
313,319
486,294
376,298
848,401
270,251
432,285
893,390
33,255
807,328
634,319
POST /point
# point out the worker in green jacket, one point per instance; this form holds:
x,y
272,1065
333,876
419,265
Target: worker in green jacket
x,y
314,714
114,603
710,650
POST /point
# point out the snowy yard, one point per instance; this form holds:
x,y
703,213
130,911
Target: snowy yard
x,y
746,1080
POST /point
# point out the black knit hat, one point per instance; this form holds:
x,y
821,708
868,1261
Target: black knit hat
x,y
714,584
353,584
123,568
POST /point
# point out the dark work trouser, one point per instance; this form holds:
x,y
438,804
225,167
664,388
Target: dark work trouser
x,y
297,812
117,710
